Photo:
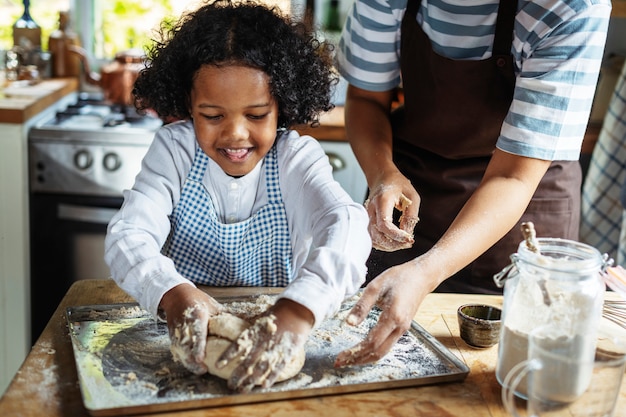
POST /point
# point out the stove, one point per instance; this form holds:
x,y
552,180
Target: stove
x,y
92,147
80,162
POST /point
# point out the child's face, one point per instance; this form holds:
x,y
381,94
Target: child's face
x,y
234,115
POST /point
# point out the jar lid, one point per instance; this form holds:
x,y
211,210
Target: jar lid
x,y
563,255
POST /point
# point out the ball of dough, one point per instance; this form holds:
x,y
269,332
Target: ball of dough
x,y
215,346
226,328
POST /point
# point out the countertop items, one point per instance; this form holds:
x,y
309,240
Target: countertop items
x,y
21,100
48,381
479,324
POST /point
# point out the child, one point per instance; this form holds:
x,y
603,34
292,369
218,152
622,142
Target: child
x,y
227,196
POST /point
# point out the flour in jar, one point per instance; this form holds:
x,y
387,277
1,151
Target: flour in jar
x,y
566,366
569,312
561,365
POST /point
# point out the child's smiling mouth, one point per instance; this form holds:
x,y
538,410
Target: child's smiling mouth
x,y
236,155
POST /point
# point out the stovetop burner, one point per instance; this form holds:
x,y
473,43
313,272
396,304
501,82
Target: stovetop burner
x,y
92,112
92,119
90,148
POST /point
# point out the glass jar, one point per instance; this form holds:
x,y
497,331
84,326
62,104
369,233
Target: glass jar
x,y
562,286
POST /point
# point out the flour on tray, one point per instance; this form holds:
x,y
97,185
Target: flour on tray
x,y
123,358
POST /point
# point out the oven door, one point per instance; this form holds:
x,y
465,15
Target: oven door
x,y
67,244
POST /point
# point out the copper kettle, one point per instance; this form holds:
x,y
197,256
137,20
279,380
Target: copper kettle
x,y
116,78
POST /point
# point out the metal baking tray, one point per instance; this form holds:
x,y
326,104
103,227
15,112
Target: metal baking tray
x,y
125,366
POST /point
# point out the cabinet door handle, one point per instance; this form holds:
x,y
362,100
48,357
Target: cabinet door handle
x,y
335,161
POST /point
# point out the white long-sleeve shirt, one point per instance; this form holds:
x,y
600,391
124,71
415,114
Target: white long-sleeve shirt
x,y
328,230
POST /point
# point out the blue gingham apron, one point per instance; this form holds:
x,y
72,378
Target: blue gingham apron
x,y
253,252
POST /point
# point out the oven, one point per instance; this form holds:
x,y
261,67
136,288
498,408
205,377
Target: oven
x,y
80,162
66,245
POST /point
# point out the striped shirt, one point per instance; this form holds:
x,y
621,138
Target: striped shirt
x,y
557,50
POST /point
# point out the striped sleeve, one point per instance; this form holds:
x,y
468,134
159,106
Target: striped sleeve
x,y
368,52
558,53
558,46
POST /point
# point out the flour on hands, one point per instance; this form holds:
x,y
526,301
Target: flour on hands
x,y
259,355
386,236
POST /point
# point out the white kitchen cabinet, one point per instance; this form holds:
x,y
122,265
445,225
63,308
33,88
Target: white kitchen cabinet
x,y
346,169
15,340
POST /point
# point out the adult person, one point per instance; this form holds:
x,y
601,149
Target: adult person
x,y
496,100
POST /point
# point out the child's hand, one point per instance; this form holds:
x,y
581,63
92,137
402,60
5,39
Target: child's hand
x,y
187,311
268,345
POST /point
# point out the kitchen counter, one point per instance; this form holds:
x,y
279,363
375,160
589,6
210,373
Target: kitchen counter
x,y
619,8
46,383
20,102
331,126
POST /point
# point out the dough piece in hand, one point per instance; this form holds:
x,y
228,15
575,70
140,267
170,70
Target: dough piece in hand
x,y
404,203
402,239
224,329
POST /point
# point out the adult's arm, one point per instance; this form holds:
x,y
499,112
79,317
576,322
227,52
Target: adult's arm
x,y
494,208
368,130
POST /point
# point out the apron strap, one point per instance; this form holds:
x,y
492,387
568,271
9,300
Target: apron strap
x,y
504,28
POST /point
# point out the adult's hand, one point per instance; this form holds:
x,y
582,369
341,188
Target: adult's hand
x,y
266,347
398,292
368,129
187,310
395,192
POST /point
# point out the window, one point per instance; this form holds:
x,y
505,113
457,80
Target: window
x,y
110,26
117,25
105,26
44,12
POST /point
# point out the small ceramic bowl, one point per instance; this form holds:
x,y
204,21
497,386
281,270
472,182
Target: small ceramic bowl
x,y
479,324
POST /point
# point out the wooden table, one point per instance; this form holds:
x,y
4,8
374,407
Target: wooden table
x,y
47,383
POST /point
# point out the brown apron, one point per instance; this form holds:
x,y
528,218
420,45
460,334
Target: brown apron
x,y
444,136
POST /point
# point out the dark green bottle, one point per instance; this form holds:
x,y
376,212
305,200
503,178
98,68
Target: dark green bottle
x,y
332,22
26,32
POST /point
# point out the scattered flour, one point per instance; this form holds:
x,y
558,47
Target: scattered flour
x,y
124,360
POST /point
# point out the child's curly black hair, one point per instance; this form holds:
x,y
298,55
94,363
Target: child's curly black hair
x,y
224,33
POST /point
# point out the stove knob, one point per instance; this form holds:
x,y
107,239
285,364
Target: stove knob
x,y
111,161
83,159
